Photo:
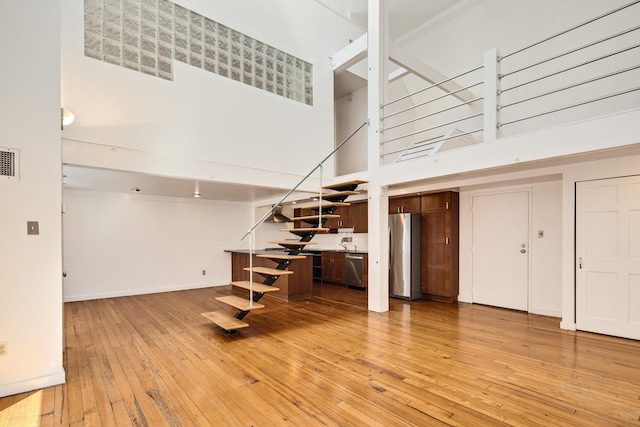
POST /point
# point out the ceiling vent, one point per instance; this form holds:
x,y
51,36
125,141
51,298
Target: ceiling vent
x,y
8,163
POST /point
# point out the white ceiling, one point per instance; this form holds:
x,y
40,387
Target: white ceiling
x,y
405,16
81,178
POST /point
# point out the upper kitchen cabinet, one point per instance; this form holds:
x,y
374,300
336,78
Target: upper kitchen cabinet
x,y
355,215
358,217
440,225
405,204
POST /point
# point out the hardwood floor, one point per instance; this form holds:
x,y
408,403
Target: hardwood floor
x,y
152,360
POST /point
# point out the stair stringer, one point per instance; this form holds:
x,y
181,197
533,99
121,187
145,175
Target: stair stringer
x,y
342,192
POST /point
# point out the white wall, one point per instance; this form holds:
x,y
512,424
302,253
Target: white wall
x,y
120,244
31,278
546,260
204,116
545,254
350,113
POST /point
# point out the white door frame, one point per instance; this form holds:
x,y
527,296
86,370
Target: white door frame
x,y
576,262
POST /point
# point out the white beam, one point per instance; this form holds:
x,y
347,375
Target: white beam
x,y
378,207
400,57
359,49
398,74
350,55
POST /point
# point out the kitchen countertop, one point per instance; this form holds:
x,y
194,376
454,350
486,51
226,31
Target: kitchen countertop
x,y
282,250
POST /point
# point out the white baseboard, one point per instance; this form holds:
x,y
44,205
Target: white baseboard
x,y
86,297
32,384
462,297
569,326
546,312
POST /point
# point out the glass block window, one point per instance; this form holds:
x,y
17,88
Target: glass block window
x,y
148,35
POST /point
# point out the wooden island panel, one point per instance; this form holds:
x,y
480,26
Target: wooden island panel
x,y
298,285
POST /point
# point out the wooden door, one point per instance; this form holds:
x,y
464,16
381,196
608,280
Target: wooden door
x,y
327,267
608,256
440,215
500,249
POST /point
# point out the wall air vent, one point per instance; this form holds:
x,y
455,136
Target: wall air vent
x,y
8,163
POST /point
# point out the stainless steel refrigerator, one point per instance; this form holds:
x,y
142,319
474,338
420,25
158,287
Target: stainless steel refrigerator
x,y
405,236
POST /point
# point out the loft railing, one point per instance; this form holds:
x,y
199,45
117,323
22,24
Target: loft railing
x,y
251,231
550,78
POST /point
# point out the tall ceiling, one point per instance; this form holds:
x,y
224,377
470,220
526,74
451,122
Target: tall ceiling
x,y
405,16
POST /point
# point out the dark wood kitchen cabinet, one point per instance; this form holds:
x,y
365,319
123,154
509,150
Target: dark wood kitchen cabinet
x,y
405,204
333,267
356,215
440,225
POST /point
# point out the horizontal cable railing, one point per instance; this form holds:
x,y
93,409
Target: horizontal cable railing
x,y
409,130
575,27
552,77
597,70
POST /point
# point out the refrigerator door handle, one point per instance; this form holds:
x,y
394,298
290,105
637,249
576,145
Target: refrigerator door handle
x,y
390,249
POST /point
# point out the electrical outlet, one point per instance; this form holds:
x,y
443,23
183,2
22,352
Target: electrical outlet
x,y
204,272
3,349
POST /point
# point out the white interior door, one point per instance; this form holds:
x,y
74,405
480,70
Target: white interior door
x,y
500,249
608,256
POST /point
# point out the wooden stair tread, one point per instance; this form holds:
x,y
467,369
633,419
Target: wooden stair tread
x,y
318,229
225,321
343,184
239,302
337,194
269,271
292,243
304,218
257,287
281,256
326,205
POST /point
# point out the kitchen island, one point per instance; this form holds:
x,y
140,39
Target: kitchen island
x,y
298,285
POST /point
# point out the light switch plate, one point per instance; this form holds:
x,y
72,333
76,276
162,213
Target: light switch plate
x,y
33,228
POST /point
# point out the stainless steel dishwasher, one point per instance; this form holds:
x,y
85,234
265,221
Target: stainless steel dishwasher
x,y
354,270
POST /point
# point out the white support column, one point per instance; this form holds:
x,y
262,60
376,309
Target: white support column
x,y
491,97
378,291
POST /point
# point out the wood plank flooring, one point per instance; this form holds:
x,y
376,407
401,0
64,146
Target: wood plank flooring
x,y
153,360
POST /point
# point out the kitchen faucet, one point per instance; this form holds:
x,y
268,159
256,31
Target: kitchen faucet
x,y
344,245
